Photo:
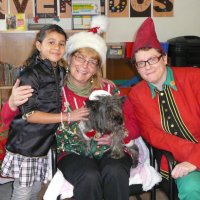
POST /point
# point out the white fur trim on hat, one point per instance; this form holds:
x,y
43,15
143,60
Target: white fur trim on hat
x,y
94,95
101,22
87,39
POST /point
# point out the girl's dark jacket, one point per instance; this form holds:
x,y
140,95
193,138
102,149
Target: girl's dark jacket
x,y
35,140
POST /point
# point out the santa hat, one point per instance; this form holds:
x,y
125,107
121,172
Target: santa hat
x,y
90,39
146,36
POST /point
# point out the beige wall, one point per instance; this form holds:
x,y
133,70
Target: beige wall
x,y
186,21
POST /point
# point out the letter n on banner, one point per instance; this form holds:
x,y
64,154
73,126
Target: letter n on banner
x,y
163,8
140,8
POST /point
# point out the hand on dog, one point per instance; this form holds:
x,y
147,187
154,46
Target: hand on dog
x,y
79,114
104,140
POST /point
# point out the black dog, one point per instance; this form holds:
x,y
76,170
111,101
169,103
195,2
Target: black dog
x,y
106,117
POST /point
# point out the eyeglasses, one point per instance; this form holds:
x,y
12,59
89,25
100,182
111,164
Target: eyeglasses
x,y
83,60
150,61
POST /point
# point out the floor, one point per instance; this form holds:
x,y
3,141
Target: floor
x,y
146,196
6,190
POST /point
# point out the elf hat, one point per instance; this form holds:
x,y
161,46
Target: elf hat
x,y
90,39
146,36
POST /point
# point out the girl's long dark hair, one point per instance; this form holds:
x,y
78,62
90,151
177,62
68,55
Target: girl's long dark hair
x,y
32,59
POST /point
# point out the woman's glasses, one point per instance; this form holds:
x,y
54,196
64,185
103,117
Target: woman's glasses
x,y
150,61
82,60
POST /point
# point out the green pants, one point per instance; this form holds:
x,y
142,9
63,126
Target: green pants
x,y
189,186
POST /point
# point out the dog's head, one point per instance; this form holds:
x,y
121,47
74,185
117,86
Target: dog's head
x,y
106,114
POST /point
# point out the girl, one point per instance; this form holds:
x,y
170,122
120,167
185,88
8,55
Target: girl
x,y
32,132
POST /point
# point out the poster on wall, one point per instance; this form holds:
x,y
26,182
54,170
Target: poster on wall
x,y
163,8
86,7
118,8
15,22
10,22
65,9
140,8
81,22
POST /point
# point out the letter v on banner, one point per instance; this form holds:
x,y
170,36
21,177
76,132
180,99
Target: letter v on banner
x,y
20,7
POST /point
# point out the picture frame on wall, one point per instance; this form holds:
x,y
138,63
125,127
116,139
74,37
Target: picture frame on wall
x,y
82,12
86,7
81,22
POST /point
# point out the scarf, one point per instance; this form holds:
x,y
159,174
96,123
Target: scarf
x,y
81,91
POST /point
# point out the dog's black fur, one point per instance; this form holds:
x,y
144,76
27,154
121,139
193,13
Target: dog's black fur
x,y
106,117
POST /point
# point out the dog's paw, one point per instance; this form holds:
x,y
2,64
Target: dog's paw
x,y
134,153
117,155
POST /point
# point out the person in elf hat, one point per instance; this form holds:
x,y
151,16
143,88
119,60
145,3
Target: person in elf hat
x,y
167,106
92,178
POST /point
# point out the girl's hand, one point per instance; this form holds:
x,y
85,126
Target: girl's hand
x,y
79,114
19,95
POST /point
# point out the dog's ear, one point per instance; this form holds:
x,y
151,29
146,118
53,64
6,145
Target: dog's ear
x,y
91,104
122,98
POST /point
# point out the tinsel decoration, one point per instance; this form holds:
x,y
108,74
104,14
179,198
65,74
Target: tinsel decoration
x,y
36,19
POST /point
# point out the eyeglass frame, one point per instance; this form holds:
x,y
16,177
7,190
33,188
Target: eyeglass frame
x,y
82,60
147,61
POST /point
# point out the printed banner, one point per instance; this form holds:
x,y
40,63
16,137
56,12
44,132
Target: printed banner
x,y
21,6
118,8
65,9
163,8
46,8
140,8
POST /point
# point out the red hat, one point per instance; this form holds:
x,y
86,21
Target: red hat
x,y
146,36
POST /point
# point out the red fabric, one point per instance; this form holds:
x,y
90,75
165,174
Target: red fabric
x,y
146,36
130,119
91,134
3,139
7,114
187,98
94,30
129,49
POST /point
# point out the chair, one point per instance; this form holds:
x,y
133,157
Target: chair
x,y
135,190
156,155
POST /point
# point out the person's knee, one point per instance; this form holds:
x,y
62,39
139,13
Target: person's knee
x,y
189,187
91,177
115,170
